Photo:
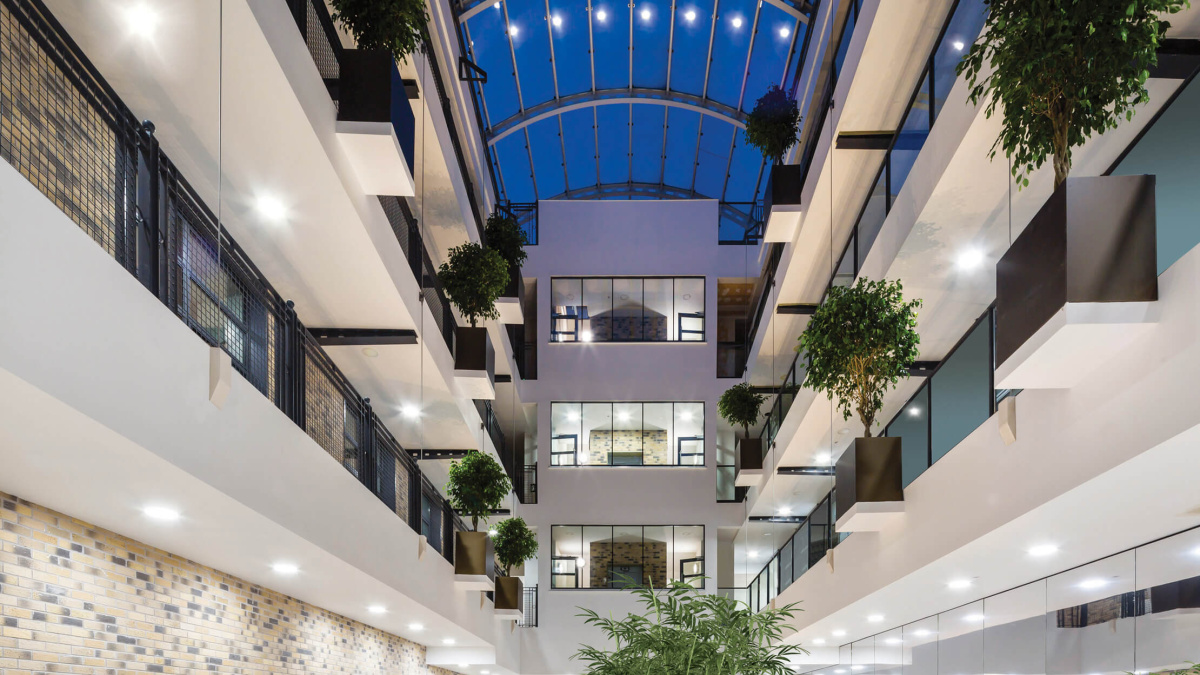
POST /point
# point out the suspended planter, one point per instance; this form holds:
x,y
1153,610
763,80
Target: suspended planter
x,y
473,277
515,543
741,406
504,235
375,123
477,486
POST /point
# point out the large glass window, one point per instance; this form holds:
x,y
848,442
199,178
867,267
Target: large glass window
x,y
627,309
627,433
625,556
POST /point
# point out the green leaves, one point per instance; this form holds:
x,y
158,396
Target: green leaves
x,y
515,543
740,406
477,485
392,25
1062,70
504,234
473,278
859,343
684,631
773,124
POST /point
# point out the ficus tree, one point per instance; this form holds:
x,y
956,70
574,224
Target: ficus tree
x,y
477,486
859,343
773,124
1062,70
741,406
684,631
505,236
396,26
473,277
514,542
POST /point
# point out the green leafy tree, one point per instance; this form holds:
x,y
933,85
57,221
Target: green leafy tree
x,y
478,486
741,406
396,26
773,125
1063,70
505,236
859,343
515,543
684,631
473,278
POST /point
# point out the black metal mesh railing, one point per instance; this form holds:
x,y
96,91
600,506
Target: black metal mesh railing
x,y
68,133
529,618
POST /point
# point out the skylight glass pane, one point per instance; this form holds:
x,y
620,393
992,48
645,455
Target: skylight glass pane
x,y
614,143
681,147
514,160
571,47
743,172
714,156
771,46
581,148
651,33
610,30
647,143
797,54
531,44
546,145
490,48
691,45
730,46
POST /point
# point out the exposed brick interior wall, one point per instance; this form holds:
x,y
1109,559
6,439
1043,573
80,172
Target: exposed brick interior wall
x,y
653,443
78,599
652,555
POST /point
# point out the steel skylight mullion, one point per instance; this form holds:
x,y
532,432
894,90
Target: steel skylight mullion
x,y
749,53
696,157
475,9
631,4
791,52
662,164
595,114
554,73
629,148
728,165
532,168
712,34
487,119
512,52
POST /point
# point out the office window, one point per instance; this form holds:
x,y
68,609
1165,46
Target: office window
x,y
625,556
627,433
627,309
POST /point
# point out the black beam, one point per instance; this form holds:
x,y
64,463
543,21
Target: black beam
x,y
799,520
364,337
1178,58
493,512
922,368
439,454
864,140
805,470
796,308
503,378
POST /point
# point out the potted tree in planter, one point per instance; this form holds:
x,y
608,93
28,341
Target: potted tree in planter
x,y
859,343
1061,71
374,115
473,277
681,629
477,486
741,406
505,236
515,543
772,127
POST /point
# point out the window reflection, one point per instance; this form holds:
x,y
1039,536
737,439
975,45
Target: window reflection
x,y
627,433
627,309
626,556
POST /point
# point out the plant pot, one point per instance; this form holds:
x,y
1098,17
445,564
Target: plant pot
x,y
511,303
1078,284
781,203
473,566
375,122
510,598
748,467
870,485
474,363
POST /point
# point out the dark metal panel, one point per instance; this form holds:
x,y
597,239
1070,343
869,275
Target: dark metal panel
x,y
864,140
328,337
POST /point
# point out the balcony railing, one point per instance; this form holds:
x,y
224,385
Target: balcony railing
x,y
139,207
530,618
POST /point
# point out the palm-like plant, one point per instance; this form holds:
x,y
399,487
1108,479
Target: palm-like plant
x,y
684,631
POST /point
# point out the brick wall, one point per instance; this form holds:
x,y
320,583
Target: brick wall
x,y
652,555
651,443
78,599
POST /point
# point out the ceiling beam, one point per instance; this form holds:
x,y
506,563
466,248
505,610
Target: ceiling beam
x,y
864,140
799,520
796,308
338,337
805,471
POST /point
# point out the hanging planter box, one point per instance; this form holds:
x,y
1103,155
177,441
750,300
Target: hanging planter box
x,y
375,122
510,304
748,468
510,598
473,567
782,210
1079,284
474,363
870,485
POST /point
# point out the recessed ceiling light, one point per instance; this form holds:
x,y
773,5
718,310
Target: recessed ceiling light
x,y
623,416
973,618
752,554
416,627
493,532
377,609
370,352
447,641
411,411
737,22
839,671
784,511
1043,550
690,15
959,45
285,568
824,458
922,632
958,584
1196,551
513,30
556,20
163,513
686,416
586,336
271,209
894,641
875,618
601,15
839,633
646,14
141,20
1093,583
914,411
818,641
784,32
497,5
969,259
572,416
